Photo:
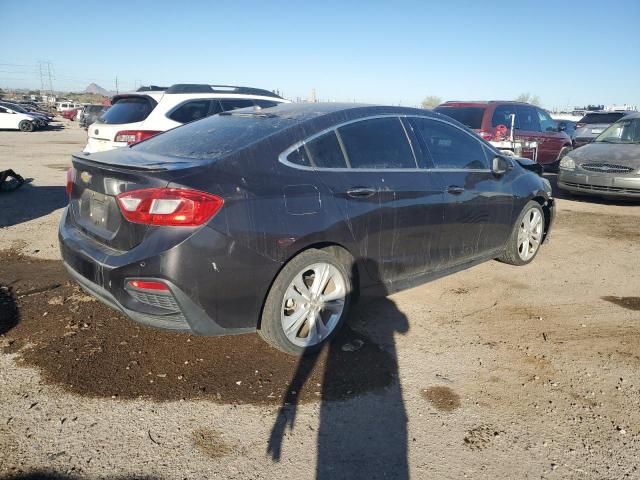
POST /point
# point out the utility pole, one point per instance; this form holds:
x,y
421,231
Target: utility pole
x,y
40,64
50,81
117,91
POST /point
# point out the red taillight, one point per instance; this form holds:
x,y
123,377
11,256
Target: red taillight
x,y
169,206
148,285
485,135
134,136
71,173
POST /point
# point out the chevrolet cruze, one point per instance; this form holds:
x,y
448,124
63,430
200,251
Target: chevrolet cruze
x,y
275,219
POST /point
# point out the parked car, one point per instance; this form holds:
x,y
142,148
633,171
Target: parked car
x,y
568,127
71,114
11,119
532,124
270,219
90,113
609,166
33,107
64,106
593,124
40,120
151,110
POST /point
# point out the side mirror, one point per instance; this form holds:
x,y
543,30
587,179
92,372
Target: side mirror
x,y
562,127
500,165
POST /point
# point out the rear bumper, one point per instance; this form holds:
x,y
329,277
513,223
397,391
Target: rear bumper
x,y
216,286
603,185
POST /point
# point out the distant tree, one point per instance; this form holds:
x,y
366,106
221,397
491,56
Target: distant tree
x,y
528,98
431,101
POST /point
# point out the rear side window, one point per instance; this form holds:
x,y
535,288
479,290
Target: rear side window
x,y
299,157
191,111
602,117
234,103
377,143
469,116
128,110
448,146
502,116
325,151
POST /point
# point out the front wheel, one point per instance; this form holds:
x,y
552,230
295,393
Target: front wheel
x,y
26,126
526,237
307,304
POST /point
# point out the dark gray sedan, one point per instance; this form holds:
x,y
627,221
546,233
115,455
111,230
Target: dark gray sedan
x,y
610,166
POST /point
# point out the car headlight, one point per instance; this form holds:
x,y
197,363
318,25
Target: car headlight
x,y
567,163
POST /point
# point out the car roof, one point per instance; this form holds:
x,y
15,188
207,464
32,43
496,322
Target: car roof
x,y
483,103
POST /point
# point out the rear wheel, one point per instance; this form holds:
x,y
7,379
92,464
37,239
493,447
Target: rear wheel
x,y
307,304
25,126
526,238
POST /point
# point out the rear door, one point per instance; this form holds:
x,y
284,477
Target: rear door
x,y
372,175
7,119
553,140
477,204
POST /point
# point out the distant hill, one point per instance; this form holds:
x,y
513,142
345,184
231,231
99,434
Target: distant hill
x,y
97,89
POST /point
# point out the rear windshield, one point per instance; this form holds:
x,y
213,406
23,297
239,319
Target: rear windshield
x,y
213,137
469,116
128,110
603,117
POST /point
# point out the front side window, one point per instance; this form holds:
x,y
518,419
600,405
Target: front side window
x,y
547,124
377,143
234,103
528,120
325,152
449,146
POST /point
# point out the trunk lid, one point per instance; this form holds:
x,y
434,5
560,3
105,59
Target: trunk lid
x,y
98,179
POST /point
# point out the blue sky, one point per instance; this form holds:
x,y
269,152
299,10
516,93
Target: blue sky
x,y
567,53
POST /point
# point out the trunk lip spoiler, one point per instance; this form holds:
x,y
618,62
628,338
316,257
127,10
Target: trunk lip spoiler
x,y
160,166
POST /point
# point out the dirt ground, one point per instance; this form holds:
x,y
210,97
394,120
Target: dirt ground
x,y
495,372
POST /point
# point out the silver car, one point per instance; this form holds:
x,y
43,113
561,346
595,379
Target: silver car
x,y
592,125
609,166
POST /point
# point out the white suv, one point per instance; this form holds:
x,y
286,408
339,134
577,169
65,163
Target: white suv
x,y
136,116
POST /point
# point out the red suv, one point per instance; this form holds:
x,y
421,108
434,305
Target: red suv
x,y
532,124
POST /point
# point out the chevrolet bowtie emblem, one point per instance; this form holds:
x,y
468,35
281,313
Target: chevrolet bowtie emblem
x,y
85,177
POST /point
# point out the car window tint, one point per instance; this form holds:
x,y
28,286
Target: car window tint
x,y
603,117
502,116
547,124
469,116
325,151
191,111
3,110
377,143
527,118
449,146
299,157
128,110
233,103
265,103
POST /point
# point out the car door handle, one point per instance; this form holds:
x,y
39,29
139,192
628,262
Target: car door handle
x,y
455,190
361,192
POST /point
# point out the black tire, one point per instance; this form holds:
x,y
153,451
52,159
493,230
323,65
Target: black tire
x,y
511,254
25,126
271,329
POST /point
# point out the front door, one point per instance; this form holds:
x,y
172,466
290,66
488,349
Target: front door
x,y
477,203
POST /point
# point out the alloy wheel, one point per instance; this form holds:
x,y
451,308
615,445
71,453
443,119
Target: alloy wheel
x,y
530,234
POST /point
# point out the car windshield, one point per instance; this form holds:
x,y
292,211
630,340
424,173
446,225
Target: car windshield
x,y
214,137
15,108
590,118
623,131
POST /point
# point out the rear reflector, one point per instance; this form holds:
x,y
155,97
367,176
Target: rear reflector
x,y
148,285
169,206
71,173
134,136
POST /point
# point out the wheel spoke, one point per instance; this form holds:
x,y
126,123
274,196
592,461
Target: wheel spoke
x,y
301,287
336,294
322,276
292,323
334,306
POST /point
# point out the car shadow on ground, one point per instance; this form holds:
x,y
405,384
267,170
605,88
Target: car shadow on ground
x,y
564,195
30,202
364,437
9,314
